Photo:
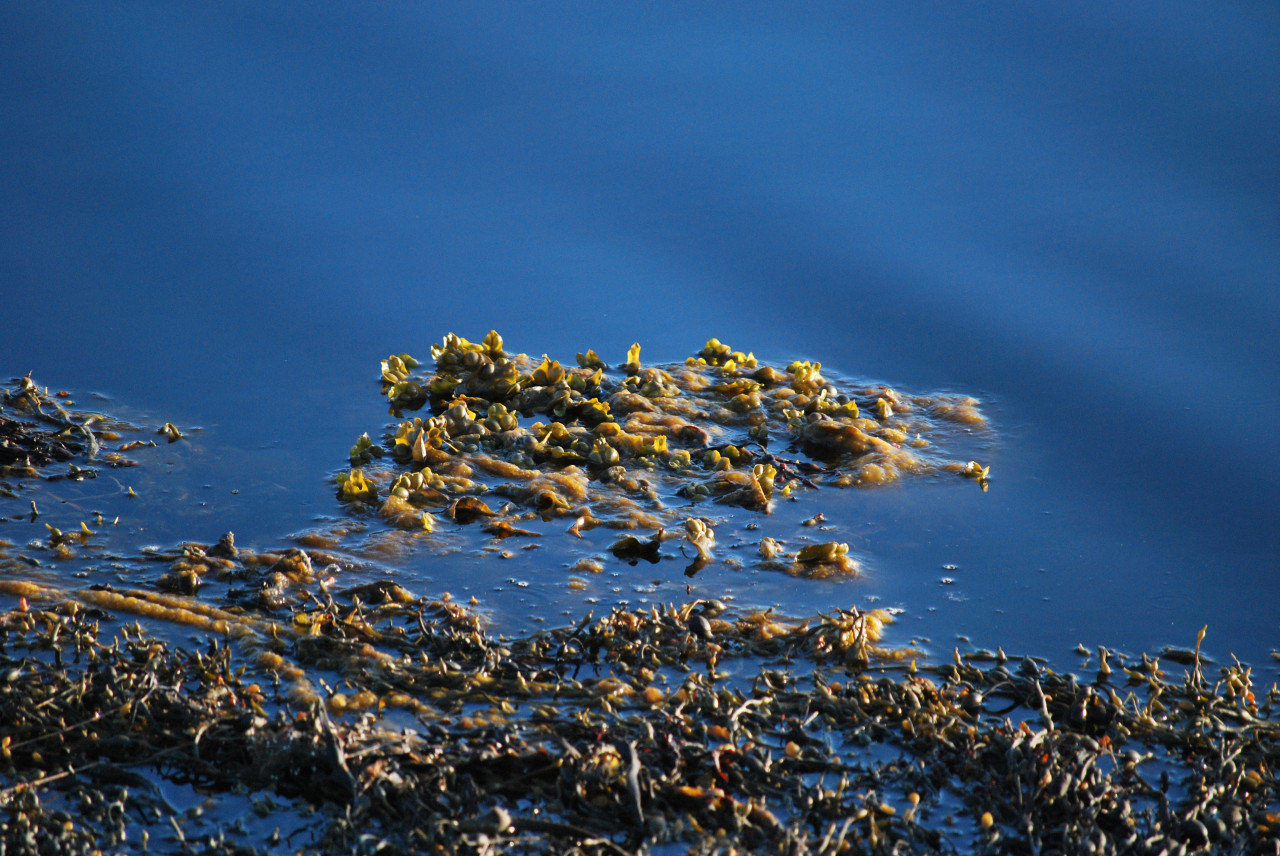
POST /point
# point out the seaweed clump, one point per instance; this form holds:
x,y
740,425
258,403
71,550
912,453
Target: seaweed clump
x,y
37,430
688,725
636,447
43,440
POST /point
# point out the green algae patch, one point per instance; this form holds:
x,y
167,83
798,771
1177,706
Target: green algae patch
x,y
641,447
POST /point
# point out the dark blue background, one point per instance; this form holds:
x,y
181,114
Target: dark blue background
x,y
226,215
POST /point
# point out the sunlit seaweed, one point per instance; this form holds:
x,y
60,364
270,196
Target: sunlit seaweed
x,y
695,725
634,447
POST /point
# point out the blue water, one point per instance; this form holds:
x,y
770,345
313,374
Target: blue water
x,y
224,217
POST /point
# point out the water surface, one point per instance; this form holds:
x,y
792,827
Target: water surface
x,y
225,218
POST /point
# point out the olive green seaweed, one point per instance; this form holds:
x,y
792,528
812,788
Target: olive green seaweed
x,y
644,446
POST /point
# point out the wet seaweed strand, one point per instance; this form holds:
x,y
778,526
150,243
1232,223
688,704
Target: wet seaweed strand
x,y
37,430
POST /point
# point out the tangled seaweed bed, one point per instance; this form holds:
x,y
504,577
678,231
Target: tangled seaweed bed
x,y
370,719
668,730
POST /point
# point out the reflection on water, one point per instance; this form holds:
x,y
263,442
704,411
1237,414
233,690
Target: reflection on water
x,y
225,219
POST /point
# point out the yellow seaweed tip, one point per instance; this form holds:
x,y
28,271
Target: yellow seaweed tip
x,y
354,487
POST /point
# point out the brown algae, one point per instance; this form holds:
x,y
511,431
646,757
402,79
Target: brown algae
x,y
639,447
687,726
368,719
38,431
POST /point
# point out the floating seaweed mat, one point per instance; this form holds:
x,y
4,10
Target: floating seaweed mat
x,y
146,604
635,446
286,647
37,429
625,734
260,636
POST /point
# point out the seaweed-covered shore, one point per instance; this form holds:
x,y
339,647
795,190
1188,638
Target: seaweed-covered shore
x,y
308,716
402,724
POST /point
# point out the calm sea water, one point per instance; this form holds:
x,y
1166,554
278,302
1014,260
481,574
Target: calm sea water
x,y
224,217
